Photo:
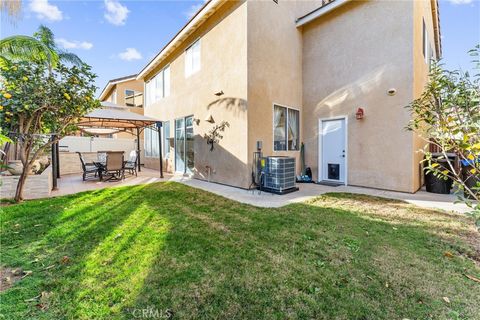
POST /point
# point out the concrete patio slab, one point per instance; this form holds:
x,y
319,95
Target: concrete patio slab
x,y
70,184
309,191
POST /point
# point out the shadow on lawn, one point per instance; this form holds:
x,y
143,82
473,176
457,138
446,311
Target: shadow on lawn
x,y
300,261
185,251
36,237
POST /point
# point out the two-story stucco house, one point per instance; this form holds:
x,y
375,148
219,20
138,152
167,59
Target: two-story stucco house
x,y
125,91
292,72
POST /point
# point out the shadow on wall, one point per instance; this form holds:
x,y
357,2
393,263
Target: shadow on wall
x,y
219,165
235,105
363,86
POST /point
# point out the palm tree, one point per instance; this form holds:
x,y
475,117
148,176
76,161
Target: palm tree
x,y
39,48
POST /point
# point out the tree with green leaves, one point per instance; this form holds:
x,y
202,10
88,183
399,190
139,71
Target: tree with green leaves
x,y
40,48
447,115
37,103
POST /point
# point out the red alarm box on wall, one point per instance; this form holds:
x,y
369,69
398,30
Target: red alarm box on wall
x,y
359,114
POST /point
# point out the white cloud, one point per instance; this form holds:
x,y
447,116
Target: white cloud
x,y
194,9
460,1
66,44
116,13
45,10
130,54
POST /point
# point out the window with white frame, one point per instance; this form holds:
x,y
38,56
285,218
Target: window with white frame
x,y
286,129
425,42
151,143
133,98
158,87
113,97
192,59
166,139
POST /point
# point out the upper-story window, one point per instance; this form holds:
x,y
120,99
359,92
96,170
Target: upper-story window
x,y
425,42
192,59
158,87
113,97
133,98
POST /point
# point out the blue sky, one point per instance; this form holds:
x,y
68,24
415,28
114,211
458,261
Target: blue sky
x,y
118,37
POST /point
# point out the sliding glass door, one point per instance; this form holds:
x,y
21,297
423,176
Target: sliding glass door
x,y
180,145
184,140
189,143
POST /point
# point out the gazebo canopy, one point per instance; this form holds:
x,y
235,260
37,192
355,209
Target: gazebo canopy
x,y
115,117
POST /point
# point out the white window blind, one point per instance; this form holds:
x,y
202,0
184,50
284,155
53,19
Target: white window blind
x,y
286,129
151,143
192,59
158,87
166,139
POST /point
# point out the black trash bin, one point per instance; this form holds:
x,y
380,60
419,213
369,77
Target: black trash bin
x,y
470,179
435,184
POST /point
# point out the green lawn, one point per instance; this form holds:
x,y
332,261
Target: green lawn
x,y
171,249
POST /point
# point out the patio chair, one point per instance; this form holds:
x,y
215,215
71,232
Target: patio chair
x,y
131,163
90,170
101,156
114,168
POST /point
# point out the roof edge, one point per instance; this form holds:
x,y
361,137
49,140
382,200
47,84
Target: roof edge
x,y
202,14
320,11
113,82
436,26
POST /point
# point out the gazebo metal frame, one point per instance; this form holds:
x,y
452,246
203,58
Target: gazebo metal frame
x,y
112,118
123,121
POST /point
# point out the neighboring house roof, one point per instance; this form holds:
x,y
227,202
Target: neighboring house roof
x,y
208,9
114,82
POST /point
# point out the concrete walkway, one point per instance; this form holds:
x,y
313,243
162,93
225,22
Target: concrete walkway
x,y
69,184
309,190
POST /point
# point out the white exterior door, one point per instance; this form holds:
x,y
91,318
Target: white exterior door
x,y
332,151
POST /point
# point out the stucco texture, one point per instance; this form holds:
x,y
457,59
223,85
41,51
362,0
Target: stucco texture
x,y
274,71
343,60
223,68
351,58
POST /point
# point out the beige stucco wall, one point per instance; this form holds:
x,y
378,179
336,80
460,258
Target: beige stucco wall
x,y
223,68
346,59
351,57
422,10
274,71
